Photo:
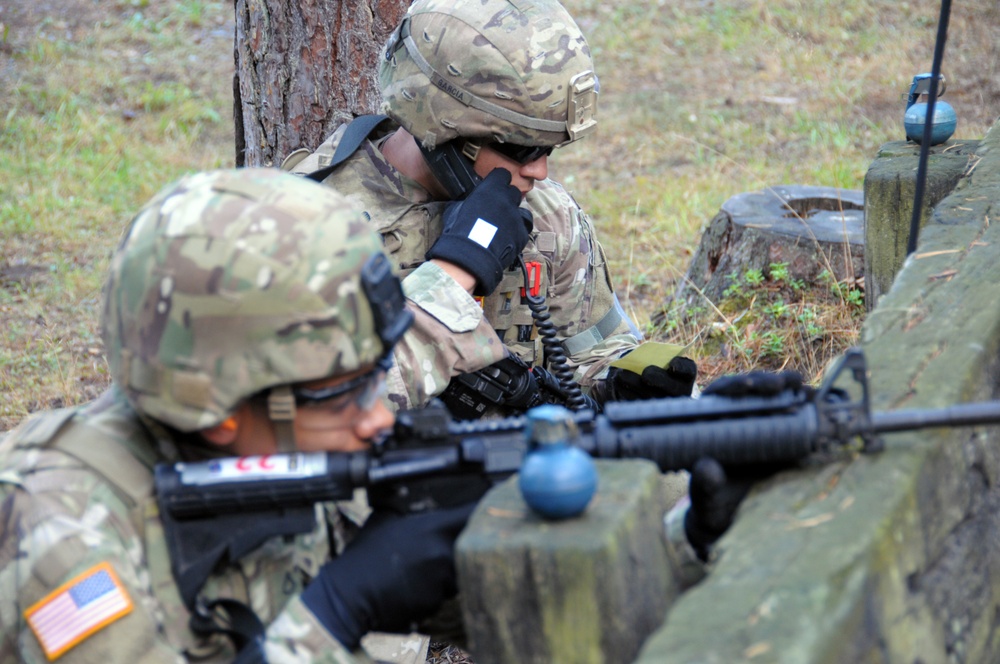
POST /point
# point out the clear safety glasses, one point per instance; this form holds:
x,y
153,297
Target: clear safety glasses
x,y
363,390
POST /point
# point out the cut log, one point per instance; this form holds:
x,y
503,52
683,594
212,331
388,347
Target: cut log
x,y
587,589
812,229
890,184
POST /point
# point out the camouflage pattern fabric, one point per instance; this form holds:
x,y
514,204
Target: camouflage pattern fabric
x,y
62,514
503,71
453,334
233,281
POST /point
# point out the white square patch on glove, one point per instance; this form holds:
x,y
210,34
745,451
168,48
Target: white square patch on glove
x,y
482,232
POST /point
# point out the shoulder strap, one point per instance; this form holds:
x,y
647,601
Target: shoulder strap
x,y
112,461
130,477
99,451
356,132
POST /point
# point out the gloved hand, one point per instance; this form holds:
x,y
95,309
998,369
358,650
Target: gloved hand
x,y
756,383
715,493
485,233
715,497
674,380
398,570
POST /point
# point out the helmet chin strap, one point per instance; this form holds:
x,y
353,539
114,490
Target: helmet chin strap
x,y
281,411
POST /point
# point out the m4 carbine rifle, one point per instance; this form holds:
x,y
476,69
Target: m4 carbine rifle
x,y
224,508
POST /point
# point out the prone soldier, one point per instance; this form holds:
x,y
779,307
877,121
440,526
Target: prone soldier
x,y
246,312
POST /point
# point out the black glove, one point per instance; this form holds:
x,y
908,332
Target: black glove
x,y
716,494
398,570
674,380
757,384
485,233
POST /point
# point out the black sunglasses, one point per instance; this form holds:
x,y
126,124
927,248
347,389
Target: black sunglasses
x,y
522,154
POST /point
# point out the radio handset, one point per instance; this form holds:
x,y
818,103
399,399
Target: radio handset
x,y
452,166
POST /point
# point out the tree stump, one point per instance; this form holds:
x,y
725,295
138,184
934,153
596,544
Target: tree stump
x,y
890,184
586,589
812,229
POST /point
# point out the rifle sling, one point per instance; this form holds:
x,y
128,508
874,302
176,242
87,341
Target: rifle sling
x,y
242,626
354,135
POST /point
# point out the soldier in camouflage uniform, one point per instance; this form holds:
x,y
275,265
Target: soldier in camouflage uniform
x,y
479,93
246,312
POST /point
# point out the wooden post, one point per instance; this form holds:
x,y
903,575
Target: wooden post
x,y
889,188
587,589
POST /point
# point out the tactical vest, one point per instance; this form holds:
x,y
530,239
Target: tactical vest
x,y
409,229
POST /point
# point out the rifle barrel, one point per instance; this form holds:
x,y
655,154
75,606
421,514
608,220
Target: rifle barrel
x,y
965,414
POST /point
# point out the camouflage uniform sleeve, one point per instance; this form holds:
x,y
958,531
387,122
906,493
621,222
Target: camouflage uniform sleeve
x,y
63,524
581,299
59,525
449,336
296,636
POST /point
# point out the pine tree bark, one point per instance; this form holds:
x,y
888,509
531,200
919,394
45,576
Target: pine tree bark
x,y
303,68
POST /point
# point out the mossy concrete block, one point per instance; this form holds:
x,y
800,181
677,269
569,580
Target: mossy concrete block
x,y
890,184
587,589
892,557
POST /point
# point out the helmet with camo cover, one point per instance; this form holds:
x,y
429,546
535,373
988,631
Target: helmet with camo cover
x,y
231,282
507,71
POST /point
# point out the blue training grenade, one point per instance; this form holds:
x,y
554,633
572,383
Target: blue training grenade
x,y
557,479
944,121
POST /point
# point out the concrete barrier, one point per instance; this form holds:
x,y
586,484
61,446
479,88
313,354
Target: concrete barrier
x,y
892,557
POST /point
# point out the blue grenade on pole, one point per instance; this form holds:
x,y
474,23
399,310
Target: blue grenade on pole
x,y
557,479
944,120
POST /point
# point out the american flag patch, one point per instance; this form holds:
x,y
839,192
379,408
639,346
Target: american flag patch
x,y
77,609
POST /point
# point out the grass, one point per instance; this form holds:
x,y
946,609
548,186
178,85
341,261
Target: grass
x,y
102,110
704,100
107,102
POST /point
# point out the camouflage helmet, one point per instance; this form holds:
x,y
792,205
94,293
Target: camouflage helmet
x,y
231,282
506,71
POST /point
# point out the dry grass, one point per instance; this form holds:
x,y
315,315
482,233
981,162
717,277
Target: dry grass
x,y
105,102
704,99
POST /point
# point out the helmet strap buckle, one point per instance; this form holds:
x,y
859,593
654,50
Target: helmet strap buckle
x,y
281,411
470,150
395,41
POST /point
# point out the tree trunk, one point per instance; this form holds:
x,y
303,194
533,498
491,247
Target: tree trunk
x,y
303,68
